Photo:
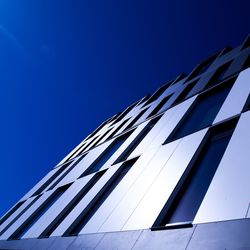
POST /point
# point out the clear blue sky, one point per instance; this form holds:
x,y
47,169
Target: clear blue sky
x,y
67,65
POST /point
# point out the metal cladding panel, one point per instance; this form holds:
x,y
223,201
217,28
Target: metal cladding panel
x,y
40,183
179,111
130,201
85,201
118,193
56,208
227,197
157,195
83,164
237,97
16,213
26,215
153,133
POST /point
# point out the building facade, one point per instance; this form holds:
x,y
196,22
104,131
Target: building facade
x,y
170,172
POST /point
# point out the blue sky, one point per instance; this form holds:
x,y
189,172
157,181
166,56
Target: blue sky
x,y
65,66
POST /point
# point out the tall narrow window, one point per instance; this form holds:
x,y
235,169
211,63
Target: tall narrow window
x,y
202,112
66,172
38,213
12,211
96,165
117,129
160,105
57,221
131,124
91,209
218,75
158,93
192,187
19,215
185,92
52,178
137,140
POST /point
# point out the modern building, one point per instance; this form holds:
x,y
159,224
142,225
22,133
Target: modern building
x,y
172,171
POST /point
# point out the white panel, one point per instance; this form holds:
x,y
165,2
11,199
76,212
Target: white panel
x,y
153,201
16,213
131,200
228,195
83,164
237,97
40,183
57,207
26,215
118,193
179,111
85,201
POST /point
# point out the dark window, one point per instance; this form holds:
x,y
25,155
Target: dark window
x,y
247,105
104,193
52,178
125,112
131,124
100,138
19,215
202,113
72,204
160,105
38,213
201,68
137,140
158,93
218,75
185,92
247,63
66,172
185,201
13,210
96,165
117,129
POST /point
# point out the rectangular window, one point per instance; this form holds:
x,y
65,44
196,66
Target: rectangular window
x,y
38,213
218,75
91,209
19,215
183,95
117,129
131,124
137,140
160,105
101,160
185,201
52,178
12,211
158,93
66,172
57,221
202,113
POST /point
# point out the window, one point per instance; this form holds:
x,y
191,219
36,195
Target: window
x,y
52,178
201,68
158,93
91,209
160,105
202,113
57,221
185,92
185,201
12,211
96,165
125,112
117,129
137,140
136,119
19,215
38,213
66,172
218,75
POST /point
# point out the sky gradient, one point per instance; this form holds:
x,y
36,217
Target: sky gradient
x,y
68,65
